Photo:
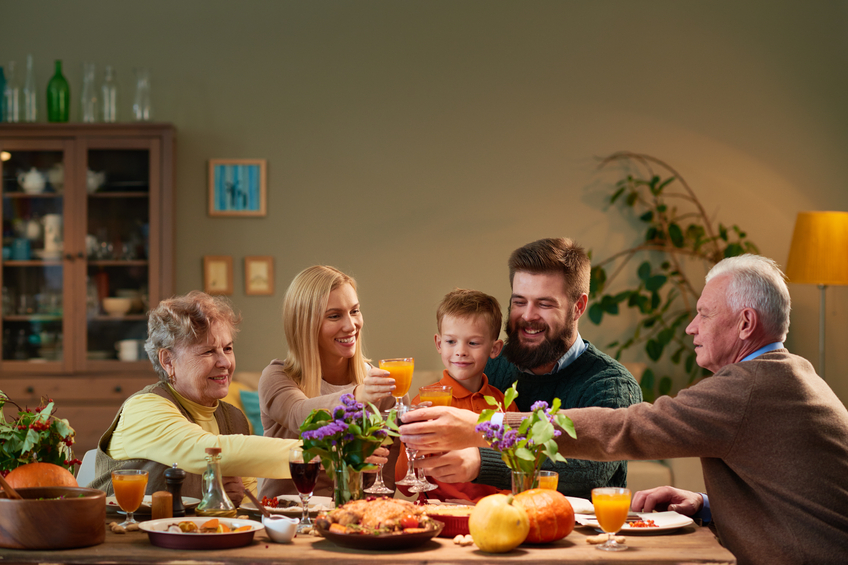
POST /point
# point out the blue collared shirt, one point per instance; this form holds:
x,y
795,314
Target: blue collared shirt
x,y
704,513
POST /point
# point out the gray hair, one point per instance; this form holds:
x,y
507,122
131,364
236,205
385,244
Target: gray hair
x,y
184,320
757,282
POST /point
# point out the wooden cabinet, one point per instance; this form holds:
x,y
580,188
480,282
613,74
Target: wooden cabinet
x,y
87,247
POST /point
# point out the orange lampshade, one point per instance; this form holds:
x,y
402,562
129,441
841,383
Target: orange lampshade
x,y
819,251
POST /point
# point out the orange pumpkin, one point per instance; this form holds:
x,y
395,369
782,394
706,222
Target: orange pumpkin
x,y
551,515
40,475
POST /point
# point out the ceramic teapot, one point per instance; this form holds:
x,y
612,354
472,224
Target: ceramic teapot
x,y
32,182
95,180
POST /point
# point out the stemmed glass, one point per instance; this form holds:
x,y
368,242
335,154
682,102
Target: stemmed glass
x,y
379,487
400,369
304,473
129,485
612,505
435,395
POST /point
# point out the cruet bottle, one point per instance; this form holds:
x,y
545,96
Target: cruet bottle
x,y
88,98
11,96
30,99
215,500
58,96
109,96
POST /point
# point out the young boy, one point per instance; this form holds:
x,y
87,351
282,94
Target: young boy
x,y
469,323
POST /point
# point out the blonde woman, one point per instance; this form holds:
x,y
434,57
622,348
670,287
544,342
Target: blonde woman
x,y
322,322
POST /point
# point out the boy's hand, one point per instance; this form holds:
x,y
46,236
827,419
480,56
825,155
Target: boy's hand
x,y
440,428
460,466
377,385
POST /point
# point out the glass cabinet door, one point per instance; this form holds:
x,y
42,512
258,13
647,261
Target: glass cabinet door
x,y
35,273
120,179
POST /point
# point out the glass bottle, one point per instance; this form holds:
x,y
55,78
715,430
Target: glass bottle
x,y
109,96
88,98
215,500
141,102
2,96
12,95
30,99
58,96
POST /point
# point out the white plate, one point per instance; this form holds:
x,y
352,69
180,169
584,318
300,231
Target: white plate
x,y
112,504
316,504
665,521
581,505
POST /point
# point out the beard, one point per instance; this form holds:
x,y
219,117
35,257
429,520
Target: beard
x,y
549,351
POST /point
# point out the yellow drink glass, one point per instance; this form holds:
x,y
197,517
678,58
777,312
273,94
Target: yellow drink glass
x,y
611,508
548,479
129,486
436,395
400,369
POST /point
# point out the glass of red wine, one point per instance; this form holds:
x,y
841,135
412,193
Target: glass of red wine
x,y
304,473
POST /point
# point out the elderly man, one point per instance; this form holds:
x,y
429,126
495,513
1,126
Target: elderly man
x,y
771,435
545,354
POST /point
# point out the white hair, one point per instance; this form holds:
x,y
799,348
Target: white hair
x,y
757,282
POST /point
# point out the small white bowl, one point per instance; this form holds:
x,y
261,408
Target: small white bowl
x,y
280,529
117,306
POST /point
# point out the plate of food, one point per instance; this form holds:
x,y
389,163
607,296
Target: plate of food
x,y
378,524
647,522
200,533
289,505
146,502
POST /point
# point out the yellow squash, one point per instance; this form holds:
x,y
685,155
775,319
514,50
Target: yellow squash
x,y
497,524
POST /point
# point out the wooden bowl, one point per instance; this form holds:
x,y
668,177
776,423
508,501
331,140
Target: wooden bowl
x,y
53,518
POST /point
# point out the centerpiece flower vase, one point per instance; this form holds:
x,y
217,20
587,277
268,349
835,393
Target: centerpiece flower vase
x,y
347,484
522,481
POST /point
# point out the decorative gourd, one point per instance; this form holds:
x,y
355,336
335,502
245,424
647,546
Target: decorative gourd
x,y
549,512
497,524
40,475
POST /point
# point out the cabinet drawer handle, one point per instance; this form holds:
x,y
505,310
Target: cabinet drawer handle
x,y
30,390
69,257
118,388
80,255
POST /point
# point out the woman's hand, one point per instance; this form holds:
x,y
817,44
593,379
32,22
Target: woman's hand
x,y
234,489
379,457
377,385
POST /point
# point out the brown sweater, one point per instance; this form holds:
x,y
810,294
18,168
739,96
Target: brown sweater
x,y
773,443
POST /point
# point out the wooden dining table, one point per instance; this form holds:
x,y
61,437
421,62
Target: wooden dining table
x,y
691,544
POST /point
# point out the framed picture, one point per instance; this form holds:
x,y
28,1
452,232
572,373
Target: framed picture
x,y
258,275
217,274
237,187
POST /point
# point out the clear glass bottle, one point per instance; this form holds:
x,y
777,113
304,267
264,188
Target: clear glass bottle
x,y
30,98
58,96
141,103
215,500
2,95
109,96
88,98
12,95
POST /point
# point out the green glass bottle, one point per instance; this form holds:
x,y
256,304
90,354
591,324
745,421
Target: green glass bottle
x,y
58,97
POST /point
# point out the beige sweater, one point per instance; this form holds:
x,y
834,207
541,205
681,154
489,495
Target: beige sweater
x,y
773,443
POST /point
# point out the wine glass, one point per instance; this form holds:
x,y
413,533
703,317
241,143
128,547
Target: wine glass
x,y
129,485
400,369
409,479
612,505
304,473
436,395
379,487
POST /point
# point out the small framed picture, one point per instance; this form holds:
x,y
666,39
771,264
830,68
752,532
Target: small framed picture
x,y
217,274
237,187
258,275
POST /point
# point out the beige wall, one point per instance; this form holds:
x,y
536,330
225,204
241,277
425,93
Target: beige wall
x,y
415,144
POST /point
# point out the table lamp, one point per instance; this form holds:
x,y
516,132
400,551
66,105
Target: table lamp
x,y
819,255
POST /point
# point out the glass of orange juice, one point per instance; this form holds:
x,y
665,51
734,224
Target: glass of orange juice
x,y
548,479
436,395
612,505
400,369
129,485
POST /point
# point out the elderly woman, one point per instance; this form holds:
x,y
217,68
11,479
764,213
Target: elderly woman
x,y
190,343
322,323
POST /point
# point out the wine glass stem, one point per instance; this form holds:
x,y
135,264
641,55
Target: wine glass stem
x,y
304,500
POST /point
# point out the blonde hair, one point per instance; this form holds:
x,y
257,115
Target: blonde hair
x,y
464,303
303,313
187,319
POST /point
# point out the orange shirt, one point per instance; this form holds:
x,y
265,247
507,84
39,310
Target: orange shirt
x,y
465,399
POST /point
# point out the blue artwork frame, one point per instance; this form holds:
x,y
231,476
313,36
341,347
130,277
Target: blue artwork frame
x,y
237,187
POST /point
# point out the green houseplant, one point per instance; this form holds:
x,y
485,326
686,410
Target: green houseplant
x,y
677,234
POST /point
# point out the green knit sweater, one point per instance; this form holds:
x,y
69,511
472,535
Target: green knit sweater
x,y
593,379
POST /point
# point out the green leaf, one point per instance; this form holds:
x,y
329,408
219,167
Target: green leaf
x,y
665,336
664,184
661,208
617,193
654,349
733,250
510,395
651,234
621,296
645,305
665,386
597,280
655,282
675,358
596,313
647,216
676,235
524,453
722,232
644,271
690,362
491,400
655,300
609,305
631,198
486,415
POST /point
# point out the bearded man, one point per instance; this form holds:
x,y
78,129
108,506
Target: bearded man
x,y
545,354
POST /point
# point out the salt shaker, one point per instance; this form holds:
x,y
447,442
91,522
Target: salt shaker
x,y
174,478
